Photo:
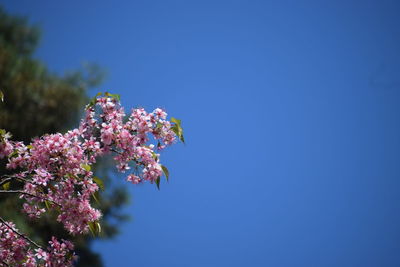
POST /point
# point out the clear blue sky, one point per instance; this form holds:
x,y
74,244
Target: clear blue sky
x,y
291,111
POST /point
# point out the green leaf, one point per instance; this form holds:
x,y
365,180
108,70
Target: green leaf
x,y
13,154
158,182
96,197
115,96
92,101
154,155
91,228
177,121
94,228
98,227
1,96
6,186
46,202
86,167
99,182
165,171
177,129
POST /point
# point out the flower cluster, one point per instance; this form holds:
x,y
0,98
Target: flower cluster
x,y
15,250
12,247
55,170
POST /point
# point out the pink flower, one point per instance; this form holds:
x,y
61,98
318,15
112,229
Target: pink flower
x,y
134,179
160,113
107,135
57,172
41,254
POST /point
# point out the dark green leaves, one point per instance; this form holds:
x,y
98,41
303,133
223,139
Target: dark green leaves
x,y
165,171
94,228
100,184
158,182
96,197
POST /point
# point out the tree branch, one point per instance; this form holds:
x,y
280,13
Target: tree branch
x,y
19,234
116,151
9,178
28,194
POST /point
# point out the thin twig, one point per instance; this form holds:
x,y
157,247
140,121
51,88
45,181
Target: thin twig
x,y
19,234
29,194
8,178
25,180
5,176
116,151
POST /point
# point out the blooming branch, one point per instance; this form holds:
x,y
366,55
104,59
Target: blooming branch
x,y
55,170
28,194
18,233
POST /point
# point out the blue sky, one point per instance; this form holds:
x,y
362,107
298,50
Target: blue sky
x,y
292,119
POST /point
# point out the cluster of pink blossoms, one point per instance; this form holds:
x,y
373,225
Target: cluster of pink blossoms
x,y
16,251
55,170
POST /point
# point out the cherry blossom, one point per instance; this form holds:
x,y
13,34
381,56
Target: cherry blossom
x,y
54,173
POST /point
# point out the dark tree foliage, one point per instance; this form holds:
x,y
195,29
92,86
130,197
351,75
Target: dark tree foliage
x,y
36,102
